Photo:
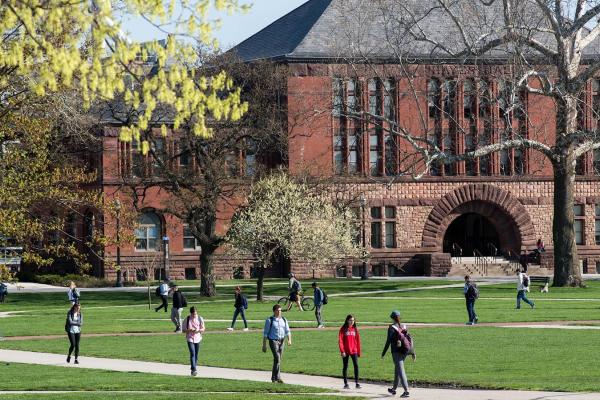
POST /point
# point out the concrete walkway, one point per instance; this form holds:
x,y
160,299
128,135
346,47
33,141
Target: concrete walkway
x,y
368,390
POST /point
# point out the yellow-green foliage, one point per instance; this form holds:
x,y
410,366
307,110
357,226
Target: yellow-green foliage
x,y
81,45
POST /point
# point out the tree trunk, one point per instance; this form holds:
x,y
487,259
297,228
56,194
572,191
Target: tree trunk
x,y
260,283
207,279
566,262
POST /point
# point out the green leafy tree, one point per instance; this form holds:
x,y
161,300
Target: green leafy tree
x,y
294,220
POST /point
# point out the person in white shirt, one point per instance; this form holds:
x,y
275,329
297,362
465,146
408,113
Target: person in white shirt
x,y
522,288
164,296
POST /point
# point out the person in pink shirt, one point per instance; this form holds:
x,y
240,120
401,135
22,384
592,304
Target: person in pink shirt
x,y
193,327
349,342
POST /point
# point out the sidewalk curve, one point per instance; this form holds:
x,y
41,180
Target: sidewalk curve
x,y
368,390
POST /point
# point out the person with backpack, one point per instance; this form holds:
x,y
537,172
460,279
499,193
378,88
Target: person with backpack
x,y
320,299
241,305
400,344
275,331
3,291
179,302
73,328
162,291
522,287
471,294
349,342
193,327
73,293
294,288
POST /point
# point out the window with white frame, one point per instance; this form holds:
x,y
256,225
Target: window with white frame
x,y
189,241
147,232
579,223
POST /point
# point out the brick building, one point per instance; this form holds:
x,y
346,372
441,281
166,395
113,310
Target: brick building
x,y
499,204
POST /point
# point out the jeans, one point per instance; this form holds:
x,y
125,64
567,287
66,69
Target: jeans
x,y
521,296
345,368
318,314
399,373
276,347
194,349
164,304
176,317
471,310
74,343
237,312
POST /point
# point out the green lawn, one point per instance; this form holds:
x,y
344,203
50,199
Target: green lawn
x,y
535,359
50,378
167,396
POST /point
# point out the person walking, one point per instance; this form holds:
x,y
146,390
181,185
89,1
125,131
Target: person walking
x,y
397,336
522,287
3,291
73,329
163,292
193,327
349,342
471,294
73,293
294,289
241,305
318,297
275,331
179,302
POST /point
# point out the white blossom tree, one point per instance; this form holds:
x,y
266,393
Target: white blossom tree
x,y
289,218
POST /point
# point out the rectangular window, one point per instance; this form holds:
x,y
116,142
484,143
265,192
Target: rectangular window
x,y
137,159
338,96
374,153
338,152
353,153
189,241
390,212
597,227
390,234
376,235
249,157
376,212
596,162
347,138
388,99
159,156
391,152
579,223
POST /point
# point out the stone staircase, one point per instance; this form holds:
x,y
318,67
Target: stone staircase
x,y
491,266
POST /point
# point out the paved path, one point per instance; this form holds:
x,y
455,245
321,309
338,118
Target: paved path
x,y
368,390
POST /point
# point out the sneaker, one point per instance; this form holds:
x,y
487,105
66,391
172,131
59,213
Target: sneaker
x,y
177,330
279,381
230,329
533,306
194,373
391,391
468,323
76,362
358,386
405,394
320,326
245,329
68,359
476,320
346,386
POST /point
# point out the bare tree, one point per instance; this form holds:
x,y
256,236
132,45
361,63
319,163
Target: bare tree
x,y
531,50
207,177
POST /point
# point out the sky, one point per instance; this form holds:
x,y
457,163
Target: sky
x,y
235,28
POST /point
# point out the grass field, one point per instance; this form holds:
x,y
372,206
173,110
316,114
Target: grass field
x,y
486,357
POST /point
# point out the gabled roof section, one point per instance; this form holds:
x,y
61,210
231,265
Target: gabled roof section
x,y
282,37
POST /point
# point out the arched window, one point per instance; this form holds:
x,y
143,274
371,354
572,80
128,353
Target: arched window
x,y
147,232
89,226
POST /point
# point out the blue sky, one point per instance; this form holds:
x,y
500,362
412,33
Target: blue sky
x,y
235,27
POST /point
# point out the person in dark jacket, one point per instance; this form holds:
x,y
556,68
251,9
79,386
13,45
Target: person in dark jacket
x,y
394,335
318,299
240,308
179,302
73,328
470,291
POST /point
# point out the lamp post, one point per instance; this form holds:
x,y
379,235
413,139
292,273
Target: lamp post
x,y
363,203
166,256
118,216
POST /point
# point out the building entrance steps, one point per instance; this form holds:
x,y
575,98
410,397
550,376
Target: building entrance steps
x,y
491,266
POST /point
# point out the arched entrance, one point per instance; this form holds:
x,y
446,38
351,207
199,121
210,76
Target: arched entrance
x,y
504,212
471,232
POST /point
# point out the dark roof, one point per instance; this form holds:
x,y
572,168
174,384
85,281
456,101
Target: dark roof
x,y
282,37
377,29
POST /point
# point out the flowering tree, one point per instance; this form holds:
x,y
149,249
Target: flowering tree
x,y
289,218
52,44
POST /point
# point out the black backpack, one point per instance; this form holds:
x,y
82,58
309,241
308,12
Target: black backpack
x,y
67,324
183,301
525,281
157,291
325,298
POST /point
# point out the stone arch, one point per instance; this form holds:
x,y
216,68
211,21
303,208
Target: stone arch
x,y
497,204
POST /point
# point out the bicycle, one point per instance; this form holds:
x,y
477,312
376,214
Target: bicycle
x,y
307,303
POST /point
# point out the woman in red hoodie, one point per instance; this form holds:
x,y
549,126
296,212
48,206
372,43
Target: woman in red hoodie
x,y
349,341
